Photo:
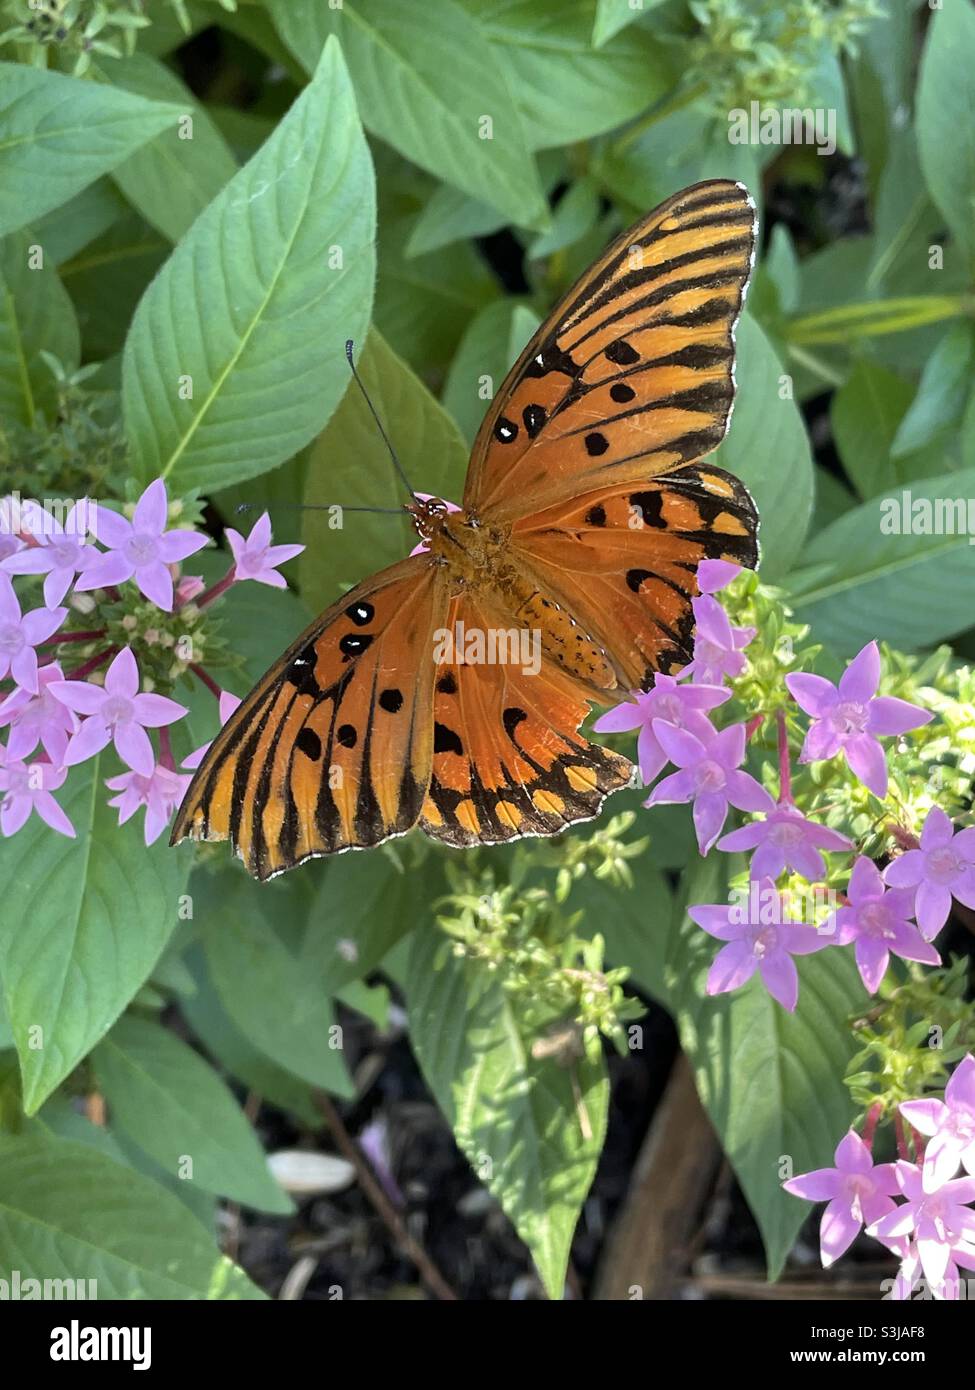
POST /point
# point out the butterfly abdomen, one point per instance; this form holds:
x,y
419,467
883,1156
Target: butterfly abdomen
x,y
561,638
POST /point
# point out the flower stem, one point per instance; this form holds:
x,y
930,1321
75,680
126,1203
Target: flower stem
x,y
206,679
92,664
166,758
785,770
90,636
871,1122
902,1146
215,590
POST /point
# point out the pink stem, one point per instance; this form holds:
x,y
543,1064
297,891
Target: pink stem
x,y
753,725
785,771
870,1124
91,636
92,664
166,758
902,1148
215,590
206,678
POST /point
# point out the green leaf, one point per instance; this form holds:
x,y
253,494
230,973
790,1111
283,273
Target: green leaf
x,y
768,449
865,414
93,916
165,1097
234,1050
450,215
937,407
173,177
107,278
517,1119
565,90
62,133
349,463
946,119
614,15
255,303
68,229
262,981
575,214
434,91
871,575
35,314
771,1081
493,341
69,1212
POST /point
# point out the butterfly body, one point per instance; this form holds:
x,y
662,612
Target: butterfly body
x,y
571,566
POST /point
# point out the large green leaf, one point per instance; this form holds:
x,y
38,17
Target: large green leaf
x,y
941,393
860,581
173,177
493,340
93,915
565,90
35,313
254,305
107,278
614,15
865,413
772,1082
349,464
946,119
517,1118
174,1106
433,89
768,448
69,1212
260,977
60,134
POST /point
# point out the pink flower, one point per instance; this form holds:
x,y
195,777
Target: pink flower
x,y
759,939
226,705
160,793
962,1253
717,645
38,718
59,553
848,718
708,776
950,1124
118,713
786,838
943,868
256,557
10,542
679,705
25,788
426,497
713,575
142,548
876,919
942,1223
858,1191
20,634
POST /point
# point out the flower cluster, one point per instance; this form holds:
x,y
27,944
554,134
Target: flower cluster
x,y
932,1227
846,720
97,560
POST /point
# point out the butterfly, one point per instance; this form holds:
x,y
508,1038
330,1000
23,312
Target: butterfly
x,y
586,512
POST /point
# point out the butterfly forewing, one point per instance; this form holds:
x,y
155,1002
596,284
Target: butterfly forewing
x,y
633,373
333,747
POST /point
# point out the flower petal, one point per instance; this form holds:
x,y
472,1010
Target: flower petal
x,y
860,679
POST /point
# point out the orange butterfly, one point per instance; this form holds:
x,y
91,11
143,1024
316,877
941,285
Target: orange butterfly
x,y
586,513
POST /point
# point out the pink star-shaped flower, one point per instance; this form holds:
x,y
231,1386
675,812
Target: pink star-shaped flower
x,y
141,548
718,647
256,557
160,793
876,918
709,776
226,706
117,714
38,718
21,633
950,1124
942,869
682,706
941,1222
858,1191
27,787
848,718
785,839
59,552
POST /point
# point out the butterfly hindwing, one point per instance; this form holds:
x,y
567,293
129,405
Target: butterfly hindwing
x,y
633,373
624,562
508,760
333,747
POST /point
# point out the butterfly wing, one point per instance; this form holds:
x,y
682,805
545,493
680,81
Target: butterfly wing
x,y
633,374
507,758
332,749
623,562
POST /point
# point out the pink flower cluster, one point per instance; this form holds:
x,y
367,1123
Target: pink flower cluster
x,y
70,717
847,719
932,1228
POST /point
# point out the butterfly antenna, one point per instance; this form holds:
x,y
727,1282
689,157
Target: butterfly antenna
x,y
316,507
349,347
